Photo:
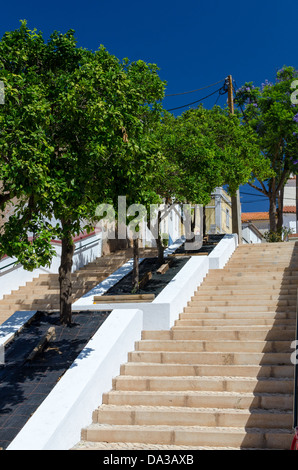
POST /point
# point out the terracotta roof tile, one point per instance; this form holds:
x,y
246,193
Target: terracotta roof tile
x,y
247,216
290,209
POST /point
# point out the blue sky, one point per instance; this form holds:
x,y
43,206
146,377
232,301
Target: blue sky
x,y
195,43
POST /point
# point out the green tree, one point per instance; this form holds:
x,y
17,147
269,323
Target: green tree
x,y
24,149
203,149
85,129
270,113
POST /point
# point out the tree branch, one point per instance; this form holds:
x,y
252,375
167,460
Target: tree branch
x,y
263,191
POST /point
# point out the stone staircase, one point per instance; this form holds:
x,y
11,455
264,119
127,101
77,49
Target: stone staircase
x,y
222,377
42,293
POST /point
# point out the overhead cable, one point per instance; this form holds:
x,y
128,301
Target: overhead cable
x,y
198,89
197,101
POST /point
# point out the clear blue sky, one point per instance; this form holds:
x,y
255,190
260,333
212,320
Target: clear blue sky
x,y
195,43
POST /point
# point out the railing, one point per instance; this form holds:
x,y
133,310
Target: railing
x,y
8,265
76,249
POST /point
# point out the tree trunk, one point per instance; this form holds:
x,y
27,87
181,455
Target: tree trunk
x,y
204,221
272,211
135,273
65,280
280,209
155,230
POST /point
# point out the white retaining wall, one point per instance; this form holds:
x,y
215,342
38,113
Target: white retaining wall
x,y
57,423
164,310
221,254
13,277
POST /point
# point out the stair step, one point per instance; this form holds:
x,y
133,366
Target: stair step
x,y
181,416
190,436
235,322
219,370
270,315
169,357
254,283
200,399
248,303
261,334
243,298
255,291
211,383
214,346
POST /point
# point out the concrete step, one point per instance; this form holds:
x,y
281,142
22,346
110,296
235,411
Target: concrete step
x,y
242,297
264,267
274,334
181,416
214,346
265,278
273,315
133,446
255,291
240,309
190,436
212,358
235,322
209,383
218,370
248,302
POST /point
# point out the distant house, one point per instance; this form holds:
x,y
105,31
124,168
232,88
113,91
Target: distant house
x,y
251,234
219,212
259,219
290,192
289,217
289,203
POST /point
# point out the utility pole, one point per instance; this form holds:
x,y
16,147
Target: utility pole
x,y
236,216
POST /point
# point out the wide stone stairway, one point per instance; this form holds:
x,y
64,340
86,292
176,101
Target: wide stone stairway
x,y
222,377
42,293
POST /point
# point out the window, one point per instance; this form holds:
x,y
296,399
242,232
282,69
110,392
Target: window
x,y
228,218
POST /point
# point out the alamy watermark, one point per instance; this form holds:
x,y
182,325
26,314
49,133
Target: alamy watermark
x,y
130,221
2,355
294,355
2,93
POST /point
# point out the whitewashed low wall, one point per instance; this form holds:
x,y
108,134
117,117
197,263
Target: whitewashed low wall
x,y
105,285
57,423
221,254
14,324
166,307
13,276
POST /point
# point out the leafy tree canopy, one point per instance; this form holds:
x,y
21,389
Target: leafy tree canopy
x,y
205,149
270,113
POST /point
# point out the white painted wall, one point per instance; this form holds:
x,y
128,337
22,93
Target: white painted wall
x,y
166,307
57,423
223,251
249,235
13,276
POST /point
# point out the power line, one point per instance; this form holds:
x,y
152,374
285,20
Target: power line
x,y
197,101
263,195
250,202
193,91
251,194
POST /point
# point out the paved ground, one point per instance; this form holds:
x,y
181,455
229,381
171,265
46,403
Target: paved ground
x,y
25,384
